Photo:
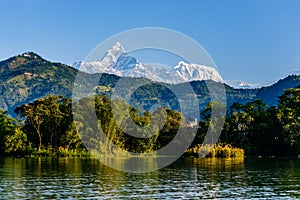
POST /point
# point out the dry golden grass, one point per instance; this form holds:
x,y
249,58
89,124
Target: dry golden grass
x,y
216,151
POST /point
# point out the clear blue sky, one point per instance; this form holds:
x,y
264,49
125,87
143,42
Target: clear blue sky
x,y
257,41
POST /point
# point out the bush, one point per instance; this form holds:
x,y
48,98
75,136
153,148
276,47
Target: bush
x,y
215,151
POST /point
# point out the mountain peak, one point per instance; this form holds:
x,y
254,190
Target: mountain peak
x,y
118,47
242,84
115,51
180,64
106,64
112,55
194,72
117,61
21,59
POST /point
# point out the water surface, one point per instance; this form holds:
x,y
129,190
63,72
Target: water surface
x,y
79,178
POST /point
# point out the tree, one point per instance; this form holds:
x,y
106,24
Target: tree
x,y
71,138
35,116
174,120
259,135
289,116
213,117
237,126
248,127
50,118
7,127
15,144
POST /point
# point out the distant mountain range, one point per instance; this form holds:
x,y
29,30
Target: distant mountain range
x,y
242,84
117,61
26,77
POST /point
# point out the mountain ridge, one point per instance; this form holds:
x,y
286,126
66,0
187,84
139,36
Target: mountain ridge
x,y
27,77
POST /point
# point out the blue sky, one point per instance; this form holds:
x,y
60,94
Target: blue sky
x,y
257,41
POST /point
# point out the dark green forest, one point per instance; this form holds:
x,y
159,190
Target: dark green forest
x,y
46,127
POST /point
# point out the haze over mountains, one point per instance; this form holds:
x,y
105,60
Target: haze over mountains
x,y
27,77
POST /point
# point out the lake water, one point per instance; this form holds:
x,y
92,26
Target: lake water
x,y
78,178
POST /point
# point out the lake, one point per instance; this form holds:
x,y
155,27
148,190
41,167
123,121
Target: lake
x,y
83,178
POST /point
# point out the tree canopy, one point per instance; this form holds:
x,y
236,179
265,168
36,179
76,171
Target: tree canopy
x,y
48,123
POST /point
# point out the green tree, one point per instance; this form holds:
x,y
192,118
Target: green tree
x,y
253,127
173,122
213,125
16,143
49,117
71,138
289,116
107,122
259,135
237,126
7,126
247,126
35,116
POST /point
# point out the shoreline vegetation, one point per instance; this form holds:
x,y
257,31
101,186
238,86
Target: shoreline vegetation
x,y
199,151
46,127
215,151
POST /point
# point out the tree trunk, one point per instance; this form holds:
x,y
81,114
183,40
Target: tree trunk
x,y
40,140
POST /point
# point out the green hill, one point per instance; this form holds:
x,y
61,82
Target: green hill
x,y
26,77
269,94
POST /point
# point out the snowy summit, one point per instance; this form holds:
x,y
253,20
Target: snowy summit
x,y
117,61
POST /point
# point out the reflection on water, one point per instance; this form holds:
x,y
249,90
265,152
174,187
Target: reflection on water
x,y
34,178
133,164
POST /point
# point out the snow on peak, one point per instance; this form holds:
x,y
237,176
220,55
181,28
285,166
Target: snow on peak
x,y
242,84
118,47
105,65
180,65
117,61
113,54
192,72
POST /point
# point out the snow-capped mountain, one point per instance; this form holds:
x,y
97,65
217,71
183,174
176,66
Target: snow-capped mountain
x,y
193,72
105,65
242,84
117,61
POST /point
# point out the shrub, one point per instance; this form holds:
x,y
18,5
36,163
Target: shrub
x,y
218,151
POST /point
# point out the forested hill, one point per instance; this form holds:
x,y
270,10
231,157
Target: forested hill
x,y
27,77
269,94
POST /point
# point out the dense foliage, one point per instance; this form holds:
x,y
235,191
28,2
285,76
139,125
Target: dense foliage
x,y
262,130
259,129
46,126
